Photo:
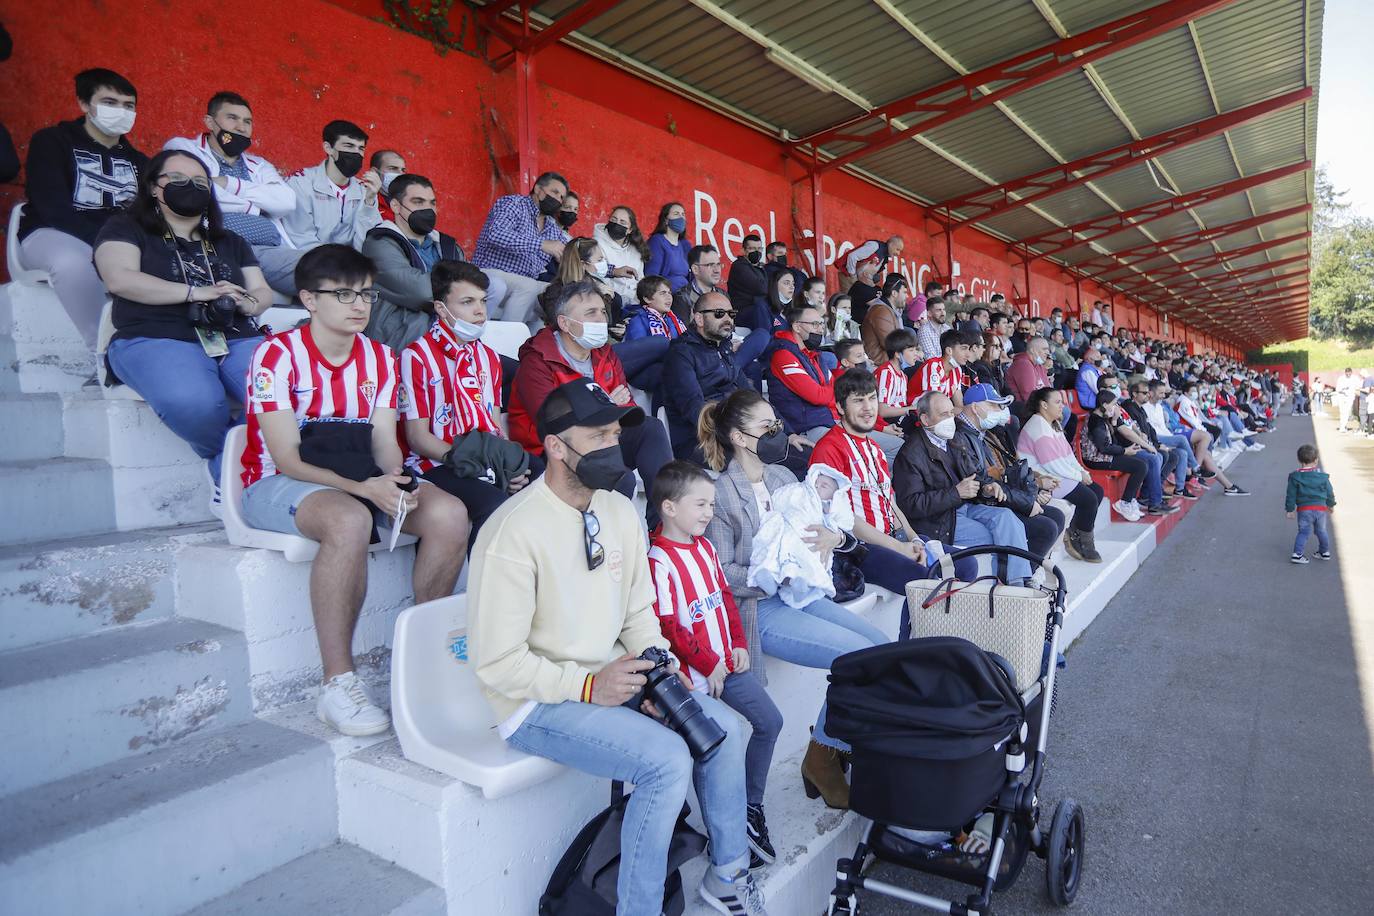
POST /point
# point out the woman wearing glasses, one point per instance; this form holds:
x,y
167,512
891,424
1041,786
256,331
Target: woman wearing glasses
x,y
742,438
186,291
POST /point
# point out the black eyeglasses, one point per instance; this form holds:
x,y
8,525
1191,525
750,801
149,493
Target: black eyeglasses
x,y
591,527
718,314
178,180
346,295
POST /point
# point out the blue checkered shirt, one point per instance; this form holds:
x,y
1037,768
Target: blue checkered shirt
x,y
510,239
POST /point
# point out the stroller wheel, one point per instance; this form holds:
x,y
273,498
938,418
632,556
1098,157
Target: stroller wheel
x,y
843,906
1064,861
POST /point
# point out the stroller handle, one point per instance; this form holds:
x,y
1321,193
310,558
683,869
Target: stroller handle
x,y
947,564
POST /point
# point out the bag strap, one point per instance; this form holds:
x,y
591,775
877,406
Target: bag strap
x,y
950,584
1047,571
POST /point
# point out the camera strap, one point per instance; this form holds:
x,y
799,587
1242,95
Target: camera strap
x,y
212,340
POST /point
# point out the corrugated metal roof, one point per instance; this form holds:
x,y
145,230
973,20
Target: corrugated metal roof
x,y
1247,52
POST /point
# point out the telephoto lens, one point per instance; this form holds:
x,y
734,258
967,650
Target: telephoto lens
x,y
681,711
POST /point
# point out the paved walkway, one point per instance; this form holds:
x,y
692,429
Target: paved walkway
x,y
1211,721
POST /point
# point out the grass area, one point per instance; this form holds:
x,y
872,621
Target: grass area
x,y
1314,355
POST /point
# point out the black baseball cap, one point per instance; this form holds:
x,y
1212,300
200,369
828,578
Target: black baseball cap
x,y
582,403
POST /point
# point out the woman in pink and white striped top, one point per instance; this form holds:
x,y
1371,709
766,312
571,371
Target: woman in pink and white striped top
x,y
1043,446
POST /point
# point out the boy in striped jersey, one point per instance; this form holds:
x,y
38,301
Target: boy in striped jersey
x,y
703,628
322,381
903,352
450,386
945,373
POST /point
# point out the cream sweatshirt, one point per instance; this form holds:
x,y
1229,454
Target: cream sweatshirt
x,y
539,621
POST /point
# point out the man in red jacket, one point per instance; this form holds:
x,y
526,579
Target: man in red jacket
x,y
576,347
1027,373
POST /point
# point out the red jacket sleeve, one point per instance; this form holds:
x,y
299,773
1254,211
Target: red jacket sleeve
x,y
610,373
737,637
534,381
799,381
1021,378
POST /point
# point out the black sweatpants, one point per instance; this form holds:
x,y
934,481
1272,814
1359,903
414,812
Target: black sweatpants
x,y
1133,466
1085,498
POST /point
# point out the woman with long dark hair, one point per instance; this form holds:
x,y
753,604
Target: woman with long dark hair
x,y
1059,473
742,438
668,246
623,246
186,292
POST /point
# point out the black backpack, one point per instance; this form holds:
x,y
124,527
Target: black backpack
x,y
584,881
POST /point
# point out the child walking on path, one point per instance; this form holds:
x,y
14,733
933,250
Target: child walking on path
x,y
1311,499
702,625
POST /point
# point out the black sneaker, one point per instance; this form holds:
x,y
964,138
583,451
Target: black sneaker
x,y
1300,559
1206,475
1234,490
1162,509
1324,555
760,846
1188,494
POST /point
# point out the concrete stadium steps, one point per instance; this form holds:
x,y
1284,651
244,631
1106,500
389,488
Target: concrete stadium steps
x,y
85,702
40,350
267,599
339,880
170,830
78,587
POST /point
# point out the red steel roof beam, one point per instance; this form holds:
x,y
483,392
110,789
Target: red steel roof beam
x,y
1101,227
1059,178
1179,269
1148,251
961,96
1211,282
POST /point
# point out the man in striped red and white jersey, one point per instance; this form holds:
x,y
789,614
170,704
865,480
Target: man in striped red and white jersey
x,y
450,386
946,373
328,382
896,553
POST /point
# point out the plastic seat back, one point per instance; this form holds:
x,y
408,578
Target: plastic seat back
x,y
505,337
14,256
440,715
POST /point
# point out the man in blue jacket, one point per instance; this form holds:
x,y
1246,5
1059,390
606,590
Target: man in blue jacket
x,y
702,366
1088,376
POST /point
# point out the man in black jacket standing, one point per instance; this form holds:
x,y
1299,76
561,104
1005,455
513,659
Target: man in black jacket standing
x,y
78,174
747,283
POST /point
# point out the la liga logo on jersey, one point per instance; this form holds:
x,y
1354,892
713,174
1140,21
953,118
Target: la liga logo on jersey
x,y
264,385
402,398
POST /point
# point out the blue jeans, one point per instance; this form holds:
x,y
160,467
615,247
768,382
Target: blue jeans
x,y
188,390
747,357
977,524
745,695
1238,426
643,362
619,743
814,636
1153,490
1308,521
1187,460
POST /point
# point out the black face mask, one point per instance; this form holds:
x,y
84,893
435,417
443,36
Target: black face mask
x,y
780,260
549,206
754,257
566,218
231,143
617,232
422,222
772,446
601,469
814,341
186,199
348,164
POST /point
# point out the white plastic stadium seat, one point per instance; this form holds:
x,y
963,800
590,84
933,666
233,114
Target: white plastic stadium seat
x,y
438,710
505,337
297,549
102,343
14,256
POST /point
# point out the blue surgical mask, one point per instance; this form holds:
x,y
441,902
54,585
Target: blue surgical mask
x,y
678,225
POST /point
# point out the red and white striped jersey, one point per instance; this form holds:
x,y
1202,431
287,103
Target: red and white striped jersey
x,y
863,462
936,375
456,386
695,607
892,384
289,373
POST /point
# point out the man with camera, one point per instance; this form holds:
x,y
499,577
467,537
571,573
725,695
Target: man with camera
x,y
562,608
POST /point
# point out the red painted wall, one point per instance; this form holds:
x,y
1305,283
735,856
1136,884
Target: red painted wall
x,y
617,138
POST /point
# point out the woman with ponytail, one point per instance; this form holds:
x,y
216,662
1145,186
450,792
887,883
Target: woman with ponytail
x,y
742,438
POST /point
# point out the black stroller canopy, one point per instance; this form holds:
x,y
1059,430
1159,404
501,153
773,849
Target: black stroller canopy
x,y
938,698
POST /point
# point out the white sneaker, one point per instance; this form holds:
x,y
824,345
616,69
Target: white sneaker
x,y
1126,510
345,705
1257,447
216,500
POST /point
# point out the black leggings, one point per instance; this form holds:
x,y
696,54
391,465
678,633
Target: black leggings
x,y
1132,465
1042,530
1085,498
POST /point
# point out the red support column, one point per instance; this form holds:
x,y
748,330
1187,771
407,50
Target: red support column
x,y
526,119
818,225
949,251
1031,309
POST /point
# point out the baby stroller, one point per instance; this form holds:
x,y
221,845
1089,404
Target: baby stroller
x,y
940,735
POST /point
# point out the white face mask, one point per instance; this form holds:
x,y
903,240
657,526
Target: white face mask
x,y
600,267
465,331
387,179
112,120
943,430
594,334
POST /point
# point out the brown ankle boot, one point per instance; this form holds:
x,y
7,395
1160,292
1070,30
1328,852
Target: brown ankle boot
x,y
822,776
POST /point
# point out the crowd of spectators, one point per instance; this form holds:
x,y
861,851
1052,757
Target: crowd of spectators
x,y
939,421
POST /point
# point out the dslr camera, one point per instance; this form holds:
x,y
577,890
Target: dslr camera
x,y
681,711
218,314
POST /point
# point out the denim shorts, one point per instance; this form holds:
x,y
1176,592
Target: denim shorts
x,y
271,503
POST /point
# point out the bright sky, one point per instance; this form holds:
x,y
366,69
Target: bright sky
x,y
1345,112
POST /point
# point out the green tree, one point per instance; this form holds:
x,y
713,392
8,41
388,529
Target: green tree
x,y
1343,282
1332,209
